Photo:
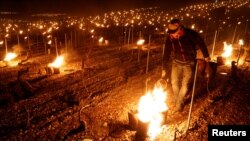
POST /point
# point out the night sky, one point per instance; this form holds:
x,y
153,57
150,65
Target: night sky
x,y
84,7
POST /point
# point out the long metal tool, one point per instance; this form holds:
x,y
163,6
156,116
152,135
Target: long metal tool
x,y
215,36
149,41
238,58
192,99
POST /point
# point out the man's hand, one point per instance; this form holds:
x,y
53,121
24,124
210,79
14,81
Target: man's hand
x,y
163,74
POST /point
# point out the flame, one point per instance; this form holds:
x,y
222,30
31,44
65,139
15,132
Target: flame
x,y
241,42
140,42
150,109
227,50
10,56
58,62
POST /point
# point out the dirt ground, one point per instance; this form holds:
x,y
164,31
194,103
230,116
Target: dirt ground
x,y
92,101
91,96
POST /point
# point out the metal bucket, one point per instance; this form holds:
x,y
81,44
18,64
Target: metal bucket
x,y
221,60
56,70
48,70
133,121
137,125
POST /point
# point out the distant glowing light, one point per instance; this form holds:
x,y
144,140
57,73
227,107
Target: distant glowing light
x,y
100,40
193,26
21,32
140,42
241,42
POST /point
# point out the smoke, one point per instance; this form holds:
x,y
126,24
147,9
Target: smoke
x,y
18,49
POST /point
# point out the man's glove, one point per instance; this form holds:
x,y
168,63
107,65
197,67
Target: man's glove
x,y
163,74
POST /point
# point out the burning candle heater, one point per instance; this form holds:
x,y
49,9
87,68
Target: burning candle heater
x,y
142,129
57,64
48,70
56,70
133,121
137,125
221,60
148,120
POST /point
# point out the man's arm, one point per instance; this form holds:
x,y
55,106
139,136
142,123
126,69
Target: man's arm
x,y
201,45
166,64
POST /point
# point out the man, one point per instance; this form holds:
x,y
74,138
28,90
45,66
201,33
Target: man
x,y
179,59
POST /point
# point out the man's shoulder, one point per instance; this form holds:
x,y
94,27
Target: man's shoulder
x,y
190,31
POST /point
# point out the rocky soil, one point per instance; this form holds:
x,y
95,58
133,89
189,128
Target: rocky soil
x,y
90,98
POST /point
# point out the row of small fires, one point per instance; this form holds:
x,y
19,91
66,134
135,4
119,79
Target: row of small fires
x,y
148,120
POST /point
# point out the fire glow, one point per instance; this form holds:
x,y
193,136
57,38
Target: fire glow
x,y
140,42
58,62
150,110
9,59
227,52
10,56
